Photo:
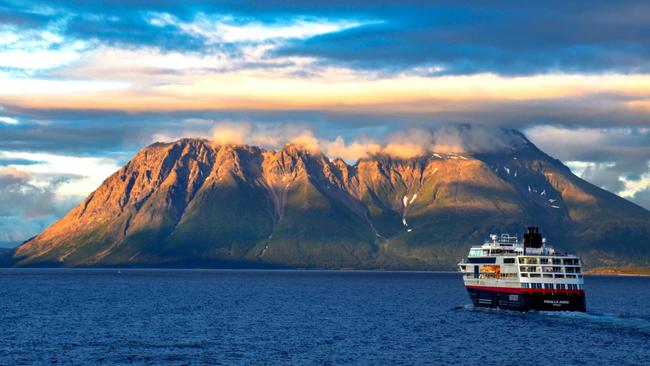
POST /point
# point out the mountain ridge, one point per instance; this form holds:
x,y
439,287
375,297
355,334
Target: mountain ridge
x,y
193,203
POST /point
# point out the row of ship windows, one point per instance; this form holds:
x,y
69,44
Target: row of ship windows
x,y
486,275
549,269
551,286
549,275
476,252
534,260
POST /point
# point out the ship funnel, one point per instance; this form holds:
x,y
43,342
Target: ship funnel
x,y
533,239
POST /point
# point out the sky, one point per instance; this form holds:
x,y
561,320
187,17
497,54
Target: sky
x,y
84,85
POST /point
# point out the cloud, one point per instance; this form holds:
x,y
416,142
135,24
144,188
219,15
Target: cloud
x,y
302,85
26,208
17,161
624,150
453,139
8,120
68,177
442,37
196,56
37,189
271,136
21,198
231,133
16,229
466,38
642,198
403,144
408,144
34,49
216,29
605,175
12,176
616,159
357,149
306,140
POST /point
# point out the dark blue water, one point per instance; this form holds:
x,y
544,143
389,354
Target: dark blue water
x,y
300,317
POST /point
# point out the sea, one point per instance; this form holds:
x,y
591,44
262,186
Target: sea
x,y
295,317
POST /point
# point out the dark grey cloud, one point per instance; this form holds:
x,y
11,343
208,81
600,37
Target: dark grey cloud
x,y
16,161
607,156
642,198
621,151
16,229
511,38
19,197
26,209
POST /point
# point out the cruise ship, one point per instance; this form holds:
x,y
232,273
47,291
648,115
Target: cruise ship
x,y
530,275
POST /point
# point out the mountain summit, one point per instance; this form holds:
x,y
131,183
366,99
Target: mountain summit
x,y
192,203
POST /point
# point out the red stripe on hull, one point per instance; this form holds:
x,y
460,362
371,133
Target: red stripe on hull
x,y
513,290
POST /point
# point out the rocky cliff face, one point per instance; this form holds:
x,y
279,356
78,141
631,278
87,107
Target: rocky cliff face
x,y
192,203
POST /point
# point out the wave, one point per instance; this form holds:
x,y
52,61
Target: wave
x,y
639,325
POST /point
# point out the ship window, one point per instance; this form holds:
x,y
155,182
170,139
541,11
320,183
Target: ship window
x,y
547,275
524,275
560,286
579,276
570,276
536,285
528,260
548,286
524,285
476,252
557,261
508,260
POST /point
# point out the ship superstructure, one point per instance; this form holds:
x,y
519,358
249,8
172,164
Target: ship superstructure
x,y
530,275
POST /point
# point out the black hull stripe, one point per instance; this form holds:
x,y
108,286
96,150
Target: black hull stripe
x,y
550,301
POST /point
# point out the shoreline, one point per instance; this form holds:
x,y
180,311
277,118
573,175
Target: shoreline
x,y
618,271
636,272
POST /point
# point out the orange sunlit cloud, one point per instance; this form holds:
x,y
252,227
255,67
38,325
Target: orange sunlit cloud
x,y
327,91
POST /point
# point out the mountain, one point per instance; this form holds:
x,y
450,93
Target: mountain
x,y
192,203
